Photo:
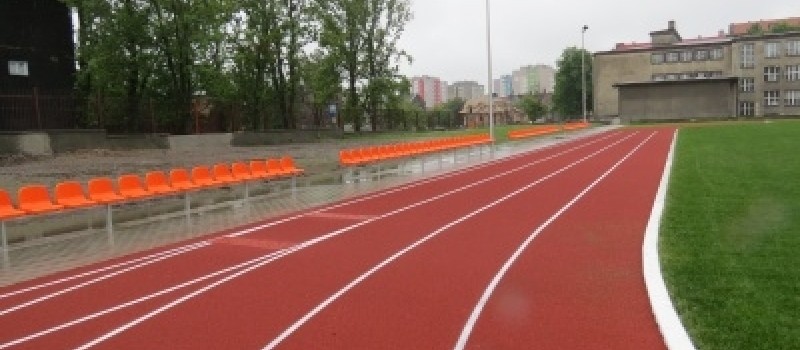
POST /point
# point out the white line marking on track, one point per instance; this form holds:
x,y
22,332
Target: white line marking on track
x,y
262,261
295,217
316,310
476,312
669,323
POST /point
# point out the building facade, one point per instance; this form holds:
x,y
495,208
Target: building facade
x,y
503,86
532,79
745,72
466,90
432,90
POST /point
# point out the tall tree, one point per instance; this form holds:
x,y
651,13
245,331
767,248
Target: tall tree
x,y
567,99
532,106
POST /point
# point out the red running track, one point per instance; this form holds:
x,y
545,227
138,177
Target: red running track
x,y
538,250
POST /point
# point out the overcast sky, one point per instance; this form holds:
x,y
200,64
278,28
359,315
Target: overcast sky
x,y
447,38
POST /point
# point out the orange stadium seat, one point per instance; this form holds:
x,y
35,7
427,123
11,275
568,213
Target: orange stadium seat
x,y
287,164
258,168
36,199
131,186
241,171
157,183
275,169
179,179
201,175
7,209
70,194
222,173
101,190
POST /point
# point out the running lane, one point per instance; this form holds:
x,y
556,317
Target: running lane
x,y
454,233
424,298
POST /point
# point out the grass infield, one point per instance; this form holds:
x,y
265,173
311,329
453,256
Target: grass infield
x,y
730,235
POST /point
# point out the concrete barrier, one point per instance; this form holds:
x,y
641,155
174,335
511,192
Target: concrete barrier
x,y
277,137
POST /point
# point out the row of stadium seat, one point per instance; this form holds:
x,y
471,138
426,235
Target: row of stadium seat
x,y
373,154
36,199
544,130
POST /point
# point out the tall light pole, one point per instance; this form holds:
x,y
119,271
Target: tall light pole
x,y
583,72
489,81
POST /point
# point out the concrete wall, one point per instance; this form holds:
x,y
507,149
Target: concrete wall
x,y
678,100
608,70
30,144
253,138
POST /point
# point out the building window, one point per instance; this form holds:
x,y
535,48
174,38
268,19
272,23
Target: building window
x,y
657,58
792,98
747,84
793,48
793,73
772,98
748,59
747,108
703,75
772,73
716,74
673,56
716,54
686,75
686,56
701,55
672,76
772,50
18,68
658,77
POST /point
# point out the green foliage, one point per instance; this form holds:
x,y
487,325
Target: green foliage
x,y
783,27
755,29
567,97
532,106
265,54
453,105
729,237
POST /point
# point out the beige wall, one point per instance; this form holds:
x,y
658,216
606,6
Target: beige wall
x,y
678,100
609,69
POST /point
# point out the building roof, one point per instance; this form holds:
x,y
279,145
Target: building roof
x,y
743,28
719,39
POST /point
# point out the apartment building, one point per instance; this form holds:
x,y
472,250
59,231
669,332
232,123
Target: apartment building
x,y
753,70
503,86
432,90
466,90
530,79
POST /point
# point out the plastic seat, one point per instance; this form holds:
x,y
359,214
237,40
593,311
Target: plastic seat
x,y
258,168
180,180
130,186
241,171
157,183
101,190
201,175
274,168
70,194
36,199
7,209
222,173
287,164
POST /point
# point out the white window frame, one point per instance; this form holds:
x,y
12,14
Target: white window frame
x,y
701,55
672,57
18,68
716,54
772,74
747,108
772,98
657,58
747,84
748,55
793,73
772,49
687,56
791,98
793,48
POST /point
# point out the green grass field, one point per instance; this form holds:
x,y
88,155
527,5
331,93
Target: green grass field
x,y
730,236
501,133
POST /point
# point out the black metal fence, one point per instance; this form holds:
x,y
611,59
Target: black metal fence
x,y
37,110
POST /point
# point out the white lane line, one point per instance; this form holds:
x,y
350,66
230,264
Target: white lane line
x,y
259,262
49,296
476,312
316,310
669,323
302,215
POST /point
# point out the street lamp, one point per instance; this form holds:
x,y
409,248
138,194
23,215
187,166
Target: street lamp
x,y
583,72
489,81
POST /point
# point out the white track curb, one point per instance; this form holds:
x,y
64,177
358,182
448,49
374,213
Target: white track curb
x,y
667,318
